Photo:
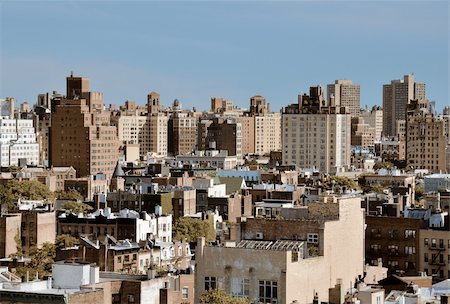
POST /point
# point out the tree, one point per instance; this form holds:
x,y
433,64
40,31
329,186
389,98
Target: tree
x,y
383,165
25,189
70,194
340,181
65,241
77,207
189,229
41,261
218,296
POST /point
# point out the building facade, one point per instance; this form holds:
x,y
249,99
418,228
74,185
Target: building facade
x,y
80,134
315,135
344,93
396,96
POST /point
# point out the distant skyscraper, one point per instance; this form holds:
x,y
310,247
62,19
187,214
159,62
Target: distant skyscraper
x,y
316,135
396,96
344,93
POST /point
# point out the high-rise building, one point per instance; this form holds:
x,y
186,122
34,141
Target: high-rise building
x,y
344,93
221,105
221,134
396,96
425,138
80,134
316,135
182,133
248,133
267,126
18,145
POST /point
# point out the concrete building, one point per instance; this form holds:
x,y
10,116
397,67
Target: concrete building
x,y
314,135
18,145
157,142
53,177
374,118
281,271
80,132
344,93
396,96
426,143
267,133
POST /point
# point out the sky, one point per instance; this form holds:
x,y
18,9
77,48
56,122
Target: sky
x,y
193,50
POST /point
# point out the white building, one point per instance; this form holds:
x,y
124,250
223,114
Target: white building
x,y
18,142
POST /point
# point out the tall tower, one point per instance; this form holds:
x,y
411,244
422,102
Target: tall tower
x,y
344,93
80,134
396,96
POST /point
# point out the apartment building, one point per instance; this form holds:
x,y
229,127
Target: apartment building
x,y
362,133
280,270
426,143
221,134
374,118
80,132
314,135
182,133
396,96
18,145
344,93
434,248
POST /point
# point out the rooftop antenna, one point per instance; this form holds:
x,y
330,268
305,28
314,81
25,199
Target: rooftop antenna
x,y
71,73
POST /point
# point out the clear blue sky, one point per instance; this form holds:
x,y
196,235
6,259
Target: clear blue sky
x,y
194,50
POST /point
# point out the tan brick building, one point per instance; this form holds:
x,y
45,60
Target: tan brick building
x,y
426,143
80,132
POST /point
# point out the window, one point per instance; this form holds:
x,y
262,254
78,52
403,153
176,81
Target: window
x,y
313,238
410,250
240,287
268,292
410,233
184,293
425,242
130,298
210,283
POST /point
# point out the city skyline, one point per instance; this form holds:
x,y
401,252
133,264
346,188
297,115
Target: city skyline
x,y
195,50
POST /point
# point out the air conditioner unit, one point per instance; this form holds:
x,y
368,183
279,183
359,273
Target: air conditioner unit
x,y
259,236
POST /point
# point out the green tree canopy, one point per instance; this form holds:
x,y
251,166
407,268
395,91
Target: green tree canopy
x,y
65,241
25,189
41,261
218,296
341,181
383,165
189,229
77,207
71,194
